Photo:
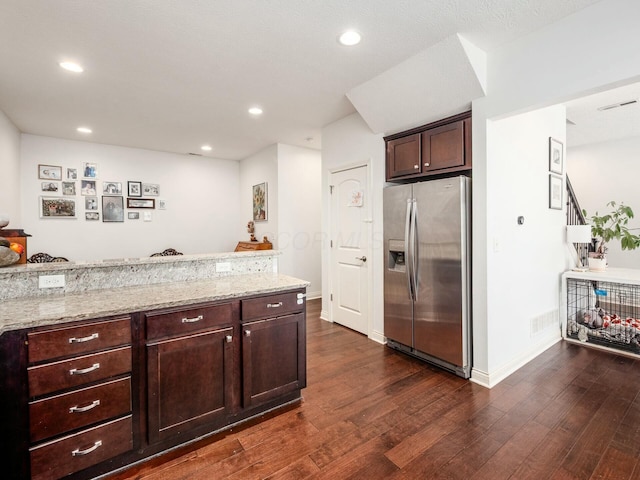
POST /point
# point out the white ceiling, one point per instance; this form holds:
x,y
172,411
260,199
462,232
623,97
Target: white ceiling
x,y
174,75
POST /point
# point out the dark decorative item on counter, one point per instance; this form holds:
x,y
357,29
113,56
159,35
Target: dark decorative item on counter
x,y
4,220
251,229
610,226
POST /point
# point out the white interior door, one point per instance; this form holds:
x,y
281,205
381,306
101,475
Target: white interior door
x,y
350,248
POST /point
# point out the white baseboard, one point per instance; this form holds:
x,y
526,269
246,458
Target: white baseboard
x,y
378,337
491,379
313,295
324,315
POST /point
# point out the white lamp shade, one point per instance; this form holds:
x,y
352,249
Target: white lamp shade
x,y
578,233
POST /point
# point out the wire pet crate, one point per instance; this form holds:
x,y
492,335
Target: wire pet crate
x,y
604,313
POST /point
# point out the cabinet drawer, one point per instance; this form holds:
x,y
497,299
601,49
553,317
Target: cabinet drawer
x,y
272,305
77,409
77,371
179,322
79,339
76,452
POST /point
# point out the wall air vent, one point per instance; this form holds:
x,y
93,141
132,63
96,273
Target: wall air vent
x,y
616,105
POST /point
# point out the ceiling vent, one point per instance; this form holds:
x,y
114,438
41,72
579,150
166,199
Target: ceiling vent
x,y
616,105
195,154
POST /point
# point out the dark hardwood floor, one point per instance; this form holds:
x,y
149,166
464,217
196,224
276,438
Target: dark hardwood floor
x,y
371,413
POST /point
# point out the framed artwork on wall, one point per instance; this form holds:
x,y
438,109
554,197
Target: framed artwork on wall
x,y
555,192
91,216
72,173
49,172
556,156
56,207
112,209
68,188
260,213
134,189
141,203
150,189
90,170
112,188
49,186
88,187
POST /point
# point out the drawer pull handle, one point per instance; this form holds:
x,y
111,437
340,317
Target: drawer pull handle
x,y
86,408
77,452
82,371
274,305
229,338
247,333
192,320
93,336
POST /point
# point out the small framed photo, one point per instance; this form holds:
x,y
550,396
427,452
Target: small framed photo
x,y
141,203
133,215
68,188
260,202
88,187
72,173
49,172
55,207
556,156
112,188
150,189
134,189
91,203
162,204
555,192
91,216
112,209
49,186
90,170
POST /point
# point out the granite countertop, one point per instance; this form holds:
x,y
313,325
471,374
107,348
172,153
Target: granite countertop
x,y
30,312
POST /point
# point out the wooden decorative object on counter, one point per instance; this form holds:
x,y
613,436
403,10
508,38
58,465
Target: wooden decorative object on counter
x,y
251,246
17,236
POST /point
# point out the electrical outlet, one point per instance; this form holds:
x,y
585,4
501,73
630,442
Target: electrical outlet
x,y
51,281
223,267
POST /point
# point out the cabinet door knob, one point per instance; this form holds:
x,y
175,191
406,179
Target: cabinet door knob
x,y
229,338
274,305
426,164
416,167
247,333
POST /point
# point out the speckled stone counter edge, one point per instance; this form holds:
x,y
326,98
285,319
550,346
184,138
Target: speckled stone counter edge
x,y
22,280
31,312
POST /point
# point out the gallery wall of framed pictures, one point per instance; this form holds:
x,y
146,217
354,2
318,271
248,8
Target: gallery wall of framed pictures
x,y
68,192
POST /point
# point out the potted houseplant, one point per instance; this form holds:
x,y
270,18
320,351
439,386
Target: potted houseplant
x,y
607,227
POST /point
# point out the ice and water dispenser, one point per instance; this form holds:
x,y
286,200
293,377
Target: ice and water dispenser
x,y
396,256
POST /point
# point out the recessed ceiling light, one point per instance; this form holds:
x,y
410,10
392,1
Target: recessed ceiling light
x,y
84,130
72,67
255,111
206,148
349,38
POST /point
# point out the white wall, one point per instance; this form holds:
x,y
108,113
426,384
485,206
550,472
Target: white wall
x,y
603,172
349,142
10,171
299,215
523,261
259,168
201,195
562,61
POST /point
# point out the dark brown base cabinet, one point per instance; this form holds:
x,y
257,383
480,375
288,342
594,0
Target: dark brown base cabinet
x,y
81,399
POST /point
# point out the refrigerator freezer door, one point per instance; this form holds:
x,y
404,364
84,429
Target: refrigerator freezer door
x,y
440,311
398,307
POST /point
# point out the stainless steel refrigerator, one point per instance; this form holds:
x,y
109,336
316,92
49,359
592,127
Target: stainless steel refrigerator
x,y
427,271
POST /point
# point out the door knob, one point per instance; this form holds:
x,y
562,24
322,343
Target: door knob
x,y
363,258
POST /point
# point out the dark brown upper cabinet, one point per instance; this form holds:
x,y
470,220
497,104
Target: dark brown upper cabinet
x,y
438,148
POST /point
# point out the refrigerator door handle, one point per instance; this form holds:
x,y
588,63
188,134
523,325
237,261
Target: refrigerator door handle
x,y
415,251
407,248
